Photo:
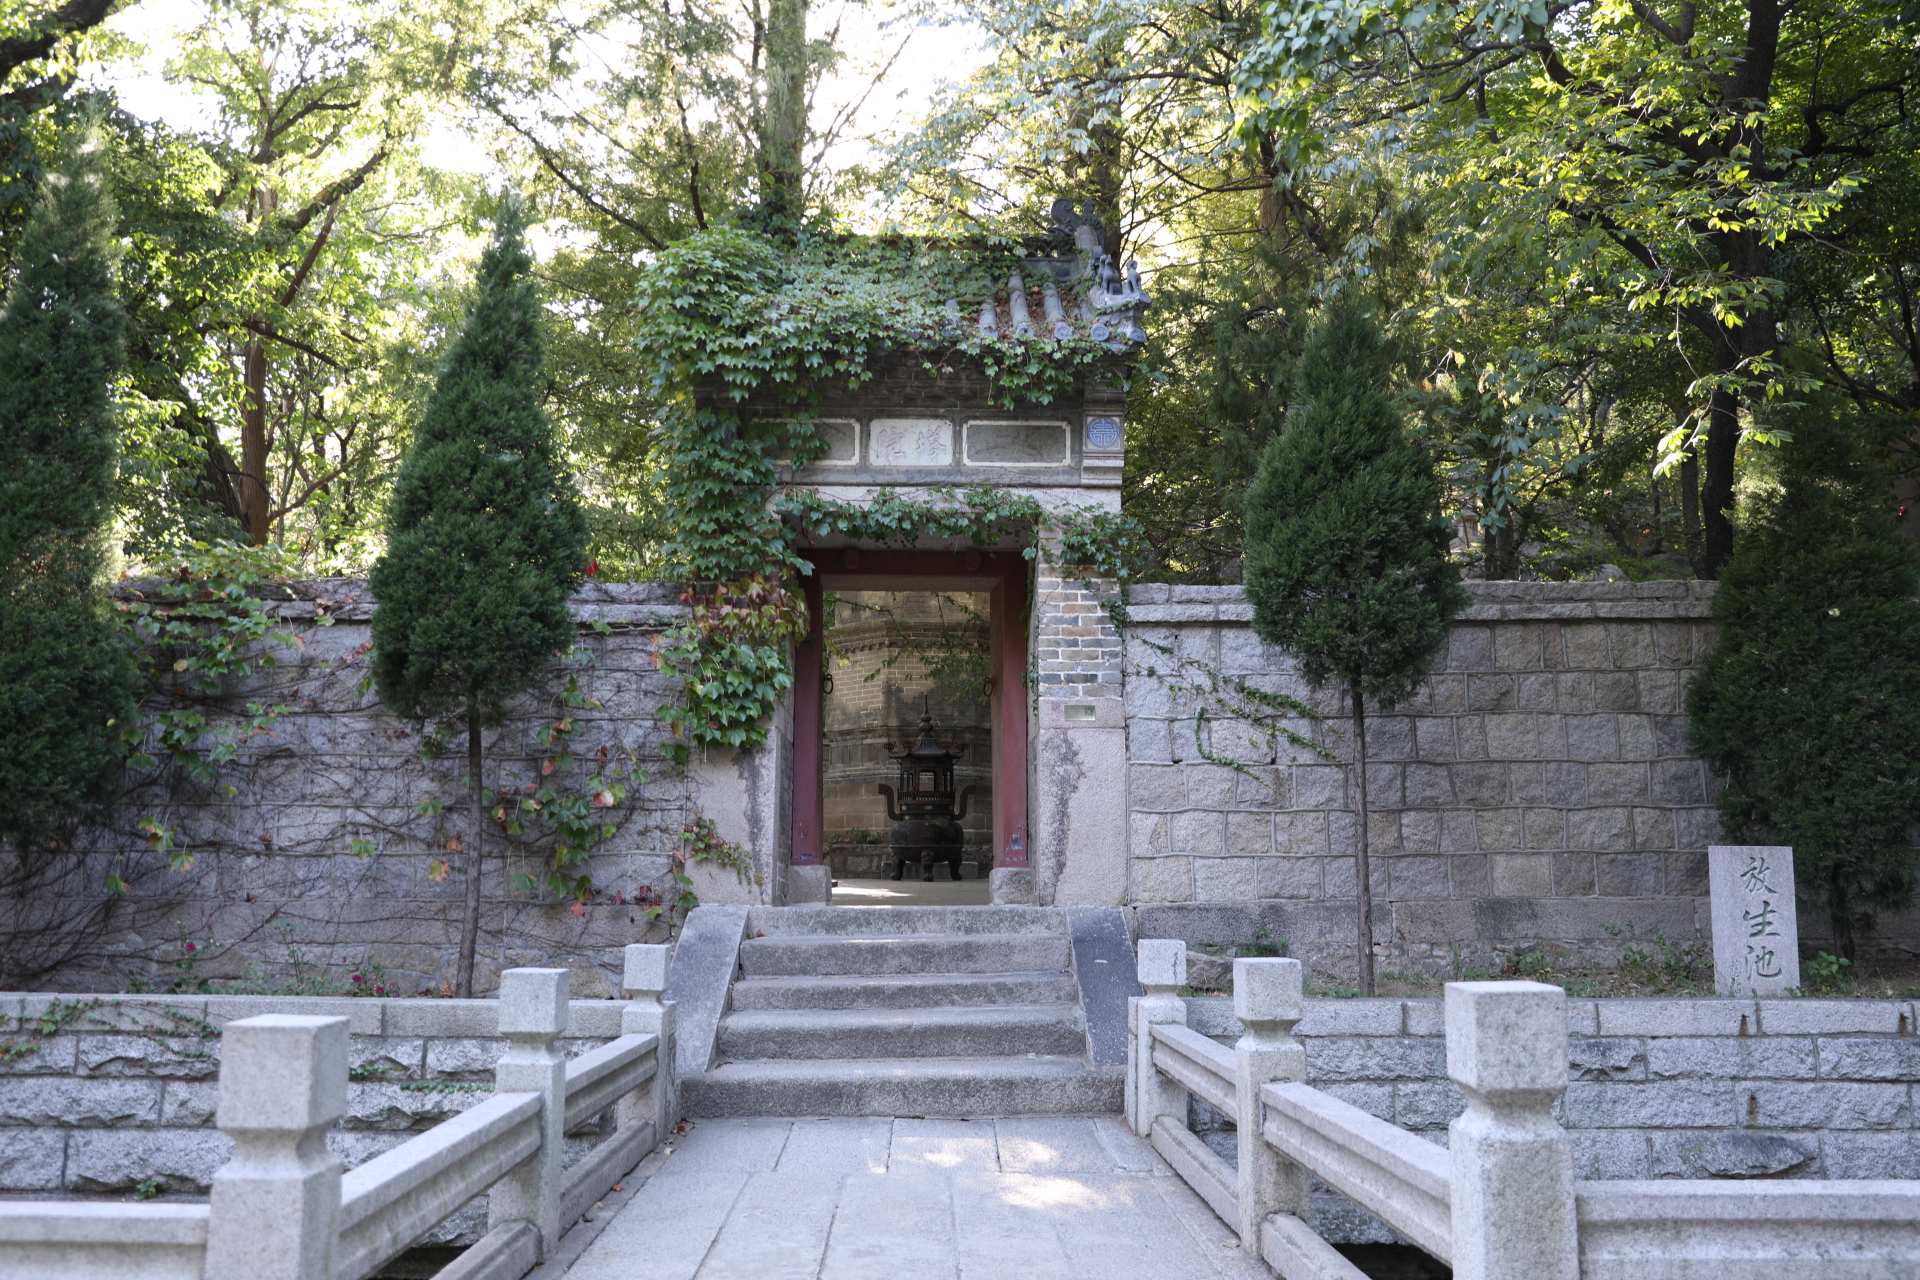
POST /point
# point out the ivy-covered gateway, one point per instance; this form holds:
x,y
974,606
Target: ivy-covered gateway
x,y
745,329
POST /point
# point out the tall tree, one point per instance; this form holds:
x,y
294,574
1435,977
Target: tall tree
x,y
67,683
1810,702
1650,164
485,542
1346,549
37,44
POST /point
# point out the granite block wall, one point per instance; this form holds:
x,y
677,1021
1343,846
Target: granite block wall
x,y
320,859
1657,1088
124,1091
1537,788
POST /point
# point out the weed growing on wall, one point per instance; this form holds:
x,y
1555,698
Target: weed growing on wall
x,y
1221,697
196,632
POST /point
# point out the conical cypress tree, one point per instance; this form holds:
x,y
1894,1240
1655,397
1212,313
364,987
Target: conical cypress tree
x,y
486,539
1346,548
1809,705
67,683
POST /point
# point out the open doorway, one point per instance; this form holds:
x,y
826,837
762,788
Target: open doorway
x,y
898,637
907,746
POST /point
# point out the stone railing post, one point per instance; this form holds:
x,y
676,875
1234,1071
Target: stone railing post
x,y
533,1013
1162,968
275,1205
646,1014
1512,1162
1267,998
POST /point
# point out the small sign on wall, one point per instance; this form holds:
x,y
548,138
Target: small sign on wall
x,y
1756,931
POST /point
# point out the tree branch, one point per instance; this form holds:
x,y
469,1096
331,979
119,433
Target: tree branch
x,y
69,19
331,193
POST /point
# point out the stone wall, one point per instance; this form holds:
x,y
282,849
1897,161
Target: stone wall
x,y
124,1092
1536,789
1661,1088
275,883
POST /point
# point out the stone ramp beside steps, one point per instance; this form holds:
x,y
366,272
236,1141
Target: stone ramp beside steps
x,y
914,1011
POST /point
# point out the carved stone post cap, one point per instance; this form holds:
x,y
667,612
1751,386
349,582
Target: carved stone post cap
x,y
1267,990
282,1071
1507,1037
533,1002
647,968
1162,962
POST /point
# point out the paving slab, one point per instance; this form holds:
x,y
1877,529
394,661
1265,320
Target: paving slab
x,y
951,1146
1000,1236
837,1145
776,1230
1131,1153
893,1226
733,1147
1051,1144
665,1231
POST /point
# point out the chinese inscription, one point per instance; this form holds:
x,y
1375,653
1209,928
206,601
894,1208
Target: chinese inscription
x,y
1756,949
910,442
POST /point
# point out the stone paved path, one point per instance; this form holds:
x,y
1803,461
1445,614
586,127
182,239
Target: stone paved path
x,y
1035,1198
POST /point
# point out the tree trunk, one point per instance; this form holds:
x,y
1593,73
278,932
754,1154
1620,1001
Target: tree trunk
x,y
470,924
1362,884
255,499
1841,912
1723,438
783,130
1690,506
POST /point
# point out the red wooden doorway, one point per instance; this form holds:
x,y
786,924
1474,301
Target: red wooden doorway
x,y
1003,574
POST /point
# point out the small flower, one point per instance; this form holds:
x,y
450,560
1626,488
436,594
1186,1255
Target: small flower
x,y
356,977
189,946
1834,612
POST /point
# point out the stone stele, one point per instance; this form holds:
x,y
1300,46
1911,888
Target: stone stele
x,y
1756,932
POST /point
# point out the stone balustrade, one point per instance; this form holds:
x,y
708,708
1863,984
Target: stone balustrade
x,y
1500,1201
283,1207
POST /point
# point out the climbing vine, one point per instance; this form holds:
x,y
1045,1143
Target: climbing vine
x,y
192,632
1223,697
182,1034
731,314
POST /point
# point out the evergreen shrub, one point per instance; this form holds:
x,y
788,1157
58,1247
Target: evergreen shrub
x,y
1346,560
67,682
1809,704
486,539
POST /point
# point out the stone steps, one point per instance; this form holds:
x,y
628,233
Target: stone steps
x,y
984,1086
903,991
920,1011
1004,1030
844,922
943,954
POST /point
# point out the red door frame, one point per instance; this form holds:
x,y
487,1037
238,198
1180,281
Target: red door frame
x,y
1004,575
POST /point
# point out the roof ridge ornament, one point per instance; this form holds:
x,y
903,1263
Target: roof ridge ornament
x,y
1111,298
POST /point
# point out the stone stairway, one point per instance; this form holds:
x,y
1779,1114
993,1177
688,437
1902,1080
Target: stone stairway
x,y
920,1011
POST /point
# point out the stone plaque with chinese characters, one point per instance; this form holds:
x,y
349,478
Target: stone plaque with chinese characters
x,y
1756,933
910,442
